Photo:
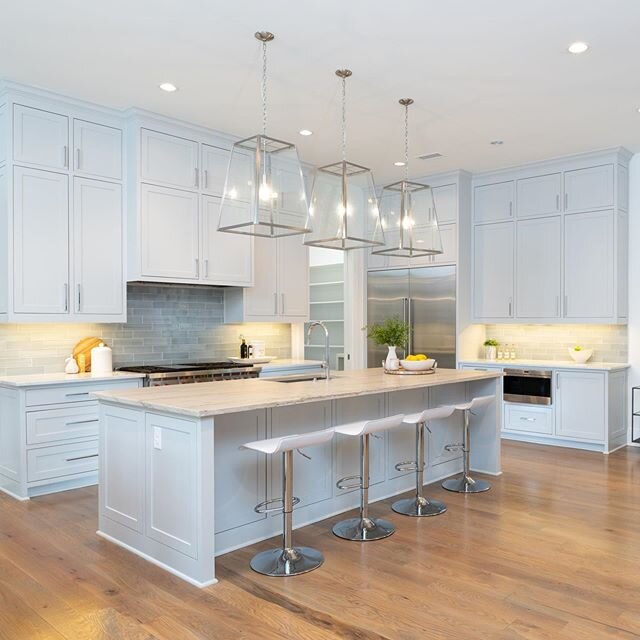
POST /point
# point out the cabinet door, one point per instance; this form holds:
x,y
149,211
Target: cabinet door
x,y
41,242
262,299
168,160
446,201
227,257
98,247
40,137
580,401
539,195
538,268
590,188
493,202
293,277
214,169
493,270
169,233
449,238
588,265
97,150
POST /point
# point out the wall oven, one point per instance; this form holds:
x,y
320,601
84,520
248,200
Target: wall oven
x,y
528,386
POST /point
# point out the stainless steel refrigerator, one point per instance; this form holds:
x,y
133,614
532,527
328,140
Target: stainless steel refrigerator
x,y
425,298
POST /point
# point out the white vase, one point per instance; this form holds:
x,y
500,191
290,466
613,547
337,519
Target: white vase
x,y
490,353
392,363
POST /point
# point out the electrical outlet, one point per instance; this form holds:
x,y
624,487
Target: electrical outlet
x,y
157,438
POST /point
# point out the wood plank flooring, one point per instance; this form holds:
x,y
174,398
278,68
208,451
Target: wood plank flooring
x,y
551,552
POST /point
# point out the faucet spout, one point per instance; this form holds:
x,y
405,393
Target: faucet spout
x,y
327,355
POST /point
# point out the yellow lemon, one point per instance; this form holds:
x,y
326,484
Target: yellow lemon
x,y
421,356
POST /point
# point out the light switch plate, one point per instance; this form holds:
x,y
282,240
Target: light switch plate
x,y
157,438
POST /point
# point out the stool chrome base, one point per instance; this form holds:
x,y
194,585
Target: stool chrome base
x,y
466,484
287,562
363,529
419,507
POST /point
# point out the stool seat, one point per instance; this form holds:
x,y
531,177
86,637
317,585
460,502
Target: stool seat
x,y
291,442
476,403
437,413
364,427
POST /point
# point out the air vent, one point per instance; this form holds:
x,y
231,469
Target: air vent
x,y
430,156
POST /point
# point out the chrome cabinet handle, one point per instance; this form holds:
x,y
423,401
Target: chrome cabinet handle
x,y
70,424
510,307
78,158
73,395
557,305
566,201
566,304
66,156
79,297
557,381
206,267
206,179
527,419
275,303
66,296
93,455
282,299
197,268
195,171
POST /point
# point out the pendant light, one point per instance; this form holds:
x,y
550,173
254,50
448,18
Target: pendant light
x,y
408,212
344,208
264,193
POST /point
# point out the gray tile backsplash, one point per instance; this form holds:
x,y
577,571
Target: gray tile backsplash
x,y
164,324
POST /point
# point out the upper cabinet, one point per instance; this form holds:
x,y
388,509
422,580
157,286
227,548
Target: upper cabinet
x,y
40,137
62,213
570,258
168,160
493,202
445,198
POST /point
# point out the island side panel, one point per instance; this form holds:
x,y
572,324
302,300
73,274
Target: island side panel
x,y
13,466
486,427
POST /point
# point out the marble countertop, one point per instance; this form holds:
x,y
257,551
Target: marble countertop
x,y
233,396
551,364
42,379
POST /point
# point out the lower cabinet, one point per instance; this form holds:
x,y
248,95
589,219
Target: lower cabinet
x,y
580,405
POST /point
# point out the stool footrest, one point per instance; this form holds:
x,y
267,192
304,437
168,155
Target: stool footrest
x,y
454,447
407,465
343,483
264,507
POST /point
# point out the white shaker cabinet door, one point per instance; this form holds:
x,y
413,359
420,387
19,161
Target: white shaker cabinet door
x,y
261,300
168,160
446,201
98,247
40,137
41,242
588,265
539,195
293,277
580,405
538,268
169,233
227,257
97,150
493,262
214,168
590,188
493,202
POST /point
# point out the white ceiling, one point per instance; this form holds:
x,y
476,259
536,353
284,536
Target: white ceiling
x,y
478,70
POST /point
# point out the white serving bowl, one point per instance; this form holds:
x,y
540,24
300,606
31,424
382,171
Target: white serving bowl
x,y
580,356
417,365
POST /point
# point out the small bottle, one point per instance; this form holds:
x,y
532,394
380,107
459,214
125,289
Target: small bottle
x,y
513,352
500,352
244,350
250,351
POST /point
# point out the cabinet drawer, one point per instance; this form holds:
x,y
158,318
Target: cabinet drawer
x,y
71,392
530,419
62,424
62,460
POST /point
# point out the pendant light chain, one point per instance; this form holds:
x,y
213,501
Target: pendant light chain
x,y
406,141
344,118
264,88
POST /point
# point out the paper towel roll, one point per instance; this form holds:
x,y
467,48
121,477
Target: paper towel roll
x,y
101,360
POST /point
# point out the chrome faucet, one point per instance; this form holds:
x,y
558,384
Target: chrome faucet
x,y
327,355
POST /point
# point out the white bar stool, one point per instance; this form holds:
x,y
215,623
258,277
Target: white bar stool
x,y
364,528
465,483
419,505
289,560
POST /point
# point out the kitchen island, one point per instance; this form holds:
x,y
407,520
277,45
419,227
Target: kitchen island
x,y
177,488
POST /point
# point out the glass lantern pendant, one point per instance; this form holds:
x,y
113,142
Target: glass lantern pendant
x,y
408,212
344,207
264,193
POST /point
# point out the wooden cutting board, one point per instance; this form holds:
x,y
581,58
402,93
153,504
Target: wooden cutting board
x,y
84,346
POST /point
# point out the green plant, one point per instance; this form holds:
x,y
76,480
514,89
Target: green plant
x,y
392,332
491,342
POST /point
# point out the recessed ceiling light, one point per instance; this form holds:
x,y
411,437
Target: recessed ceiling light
x,y
305,132
497,142
399,163
578,47
168,87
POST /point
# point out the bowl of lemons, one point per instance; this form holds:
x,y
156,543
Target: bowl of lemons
x,y
418,362
580,354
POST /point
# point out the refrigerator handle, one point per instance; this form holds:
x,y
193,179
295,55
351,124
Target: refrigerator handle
x,y
410,320
406,320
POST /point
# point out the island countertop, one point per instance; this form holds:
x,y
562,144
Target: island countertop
x,y
233,396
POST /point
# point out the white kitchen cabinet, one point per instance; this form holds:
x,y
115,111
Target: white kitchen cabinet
x,y
538,268
169,232
41,242
580,405
539,195
40,137
449,239
446,201
589,265
227,258
98,278
293,289
97,150
214,169
493,280
261,300
589,188
493,202
528,418
168,160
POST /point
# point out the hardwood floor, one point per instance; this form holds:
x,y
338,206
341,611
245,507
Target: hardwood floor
x,y
552,551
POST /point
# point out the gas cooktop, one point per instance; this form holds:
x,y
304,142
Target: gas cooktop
x,y
184,367
189,372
